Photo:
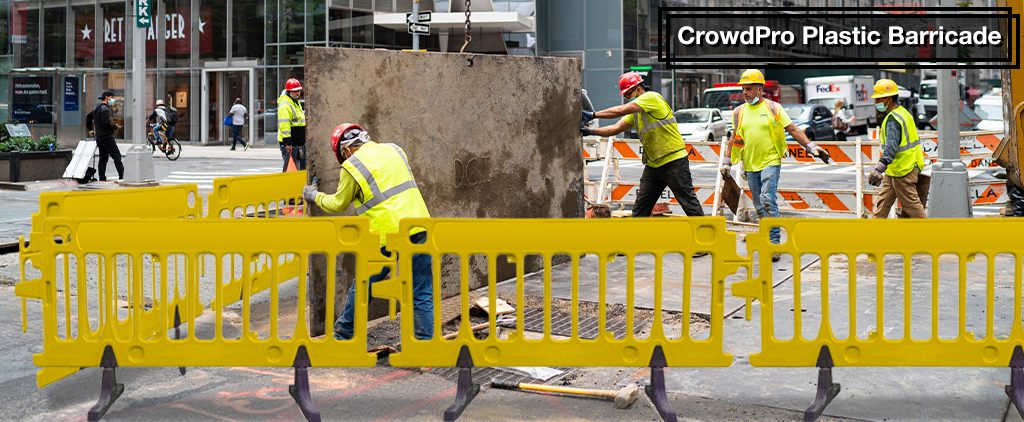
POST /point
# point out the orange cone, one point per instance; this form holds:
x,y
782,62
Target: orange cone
x,y
292,211
291,165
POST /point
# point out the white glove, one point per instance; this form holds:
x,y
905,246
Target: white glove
x,y
724,169
309,193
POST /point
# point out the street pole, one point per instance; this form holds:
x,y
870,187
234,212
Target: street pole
x,y
948,193
139,160
416,19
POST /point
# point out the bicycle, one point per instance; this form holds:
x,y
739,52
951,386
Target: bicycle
x,y
170,147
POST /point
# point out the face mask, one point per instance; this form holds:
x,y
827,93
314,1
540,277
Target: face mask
x,y
754,101
881,107
110,101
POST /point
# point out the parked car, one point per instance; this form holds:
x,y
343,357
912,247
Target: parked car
x,y
815,120
990,109
701,124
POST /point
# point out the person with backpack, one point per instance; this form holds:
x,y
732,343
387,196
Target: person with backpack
x,y
99,124
160,118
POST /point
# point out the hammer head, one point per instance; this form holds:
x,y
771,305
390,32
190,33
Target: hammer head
x,y
627,395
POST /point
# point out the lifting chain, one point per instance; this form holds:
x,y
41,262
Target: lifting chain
x,y
469,30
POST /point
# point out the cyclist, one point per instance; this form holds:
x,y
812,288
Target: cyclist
x,y
159,116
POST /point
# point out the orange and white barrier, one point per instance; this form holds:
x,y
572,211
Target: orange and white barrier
x,y
988,192
843,153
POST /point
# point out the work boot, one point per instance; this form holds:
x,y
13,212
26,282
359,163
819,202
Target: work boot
x,y
776,257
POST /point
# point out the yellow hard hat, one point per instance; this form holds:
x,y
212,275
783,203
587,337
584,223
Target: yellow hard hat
x,y
885,88
752,76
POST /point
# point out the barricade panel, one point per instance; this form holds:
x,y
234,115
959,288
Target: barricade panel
x,y
519,238
125,325
881,328
279,195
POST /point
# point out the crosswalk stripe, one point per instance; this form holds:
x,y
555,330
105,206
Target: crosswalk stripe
x,y
204,180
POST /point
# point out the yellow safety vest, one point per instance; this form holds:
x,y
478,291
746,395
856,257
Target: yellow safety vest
x,y
289,113
909,153
777,131
658,137
389,191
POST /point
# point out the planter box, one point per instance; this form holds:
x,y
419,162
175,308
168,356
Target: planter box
x,y
39,165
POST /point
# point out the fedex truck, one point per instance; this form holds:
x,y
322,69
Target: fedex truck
x,y
854,90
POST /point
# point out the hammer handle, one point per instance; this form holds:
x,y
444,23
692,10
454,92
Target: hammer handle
x,y
608,394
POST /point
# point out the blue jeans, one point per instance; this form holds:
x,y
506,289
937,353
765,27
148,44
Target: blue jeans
x,y
422,296
236,129
764,188
296,153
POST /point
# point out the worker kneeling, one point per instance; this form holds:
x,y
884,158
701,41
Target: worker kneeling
x,y
665,157
902,157
377,179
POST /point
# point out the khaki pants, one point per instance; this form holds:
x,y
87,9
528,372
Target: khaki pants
x,y
902,188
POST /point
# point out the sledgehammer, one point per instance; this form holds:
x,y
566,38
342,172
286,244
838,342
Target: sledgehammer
x,y
623,398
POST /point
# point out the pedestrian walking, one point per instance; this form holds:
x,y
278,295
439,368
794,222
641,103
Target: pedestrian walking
x,y
238,115
760,138
665,157
104,130
377,180
291,125
841,123
902,158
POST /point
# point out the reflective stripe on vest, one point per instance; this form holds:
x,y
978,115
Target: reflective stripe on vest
x,y
378,196
909,154
659,123
906,135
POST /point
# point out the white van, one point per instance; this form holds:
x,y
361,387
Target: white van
x,y
854,90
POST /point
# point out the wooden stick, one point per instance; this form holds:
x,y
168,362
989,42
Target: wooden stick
x,y
450,336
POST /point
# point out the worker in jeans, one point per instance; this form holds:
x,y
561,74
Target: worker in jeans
x,y
902,157
665,157
759,135
377,180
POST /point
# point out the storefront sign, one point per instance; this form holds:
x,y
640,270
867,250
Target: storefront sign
x,y
32,99
177,33
70,93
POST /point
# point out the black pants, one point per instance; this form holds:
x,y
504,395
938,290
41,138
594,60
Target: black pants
x,y
1016,199
675,175
108,149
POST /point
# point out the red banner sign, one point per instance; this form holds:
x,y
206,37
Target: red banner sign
x,y
177,33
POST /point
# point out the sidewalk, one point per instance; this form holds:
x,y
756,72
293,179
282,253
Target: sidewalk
x,y
196,150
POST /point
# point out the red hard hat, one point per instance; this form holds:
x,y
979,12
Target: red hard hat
x,y
338,136
628,81
292,85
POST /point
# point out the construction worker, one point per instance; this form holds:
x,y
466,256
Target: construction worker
x,y
664,156
760,128
902,157
291,125
377,180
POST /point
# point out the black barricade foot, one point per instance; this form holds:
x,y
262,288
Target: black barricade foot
x,y
110,389
467,388
300,390
827,390
1016,388
656,389
177,334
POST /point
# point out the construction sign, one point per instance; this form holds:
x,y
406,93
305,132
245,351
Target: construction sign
x,y
992,192
803,200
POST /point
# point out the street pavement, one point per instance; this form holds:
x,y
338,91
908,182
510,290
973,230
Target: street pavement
x,y
741,392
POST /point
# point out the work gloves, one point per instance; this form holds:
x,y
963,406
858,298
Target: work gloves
x,y
309,194
586,131
724,169
818,152
587,117
875,178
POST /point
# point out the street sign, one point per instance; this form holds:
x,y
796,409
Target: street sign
x,y
419,29
143,19
424,17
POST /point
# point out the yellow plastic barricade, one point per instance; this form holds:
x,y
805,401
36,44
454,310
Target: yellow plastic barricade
x,y
276,195
111,334
517,238
181,201
905,239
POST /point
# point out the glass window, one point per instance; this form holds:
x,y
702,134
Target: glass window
x,y
604,28
113,35
5,31
85,35
178,34
293,13
270,21
30,46
566,25
629,25
340,25
55,37
271,57
177,93
316,20
293,54
247,25
643,27
362,27
213,25
383,37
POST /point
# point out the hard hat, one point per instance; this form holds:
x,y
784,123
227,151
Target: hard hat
x,y
292,85
344,136
159,102
752,76
885,88
628,81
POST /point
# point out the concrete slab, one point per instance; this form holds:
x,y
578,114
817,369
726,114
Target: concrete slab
x,y
905,393
495,139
